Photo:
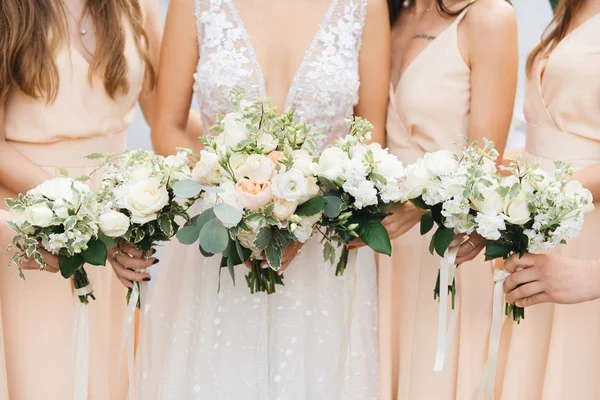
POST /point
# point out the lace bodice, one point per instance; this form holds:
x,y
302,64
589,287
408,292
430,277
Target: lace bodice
x,y
324,90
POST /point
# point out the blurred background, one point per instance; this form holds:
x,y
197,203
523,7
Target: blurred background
x,y
532,15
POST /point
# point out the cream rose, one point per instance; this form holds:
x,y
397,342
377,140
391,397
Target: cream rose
x,y
140,173
234,131
492,202
312,189
291,185
39,215
275,156
113,223
207,171
304,162
267,142
144,199
258,168
333,163
516,210
253,195
284,209
237,163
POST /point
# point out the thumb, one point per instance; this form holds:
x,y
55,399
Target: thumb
x,y
533,300
515,262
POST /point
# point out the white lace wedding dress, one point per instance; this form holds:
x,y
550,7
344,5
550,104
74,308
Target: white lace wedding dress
x,y
316,338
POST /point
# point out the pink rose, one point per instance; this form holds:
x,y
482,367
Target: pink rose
x,y
275,156
253,195
284,209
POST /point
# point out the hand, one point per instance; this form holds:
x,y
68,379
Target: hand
x,y
404,217
291,252
470,248
50,263
125,260
542,278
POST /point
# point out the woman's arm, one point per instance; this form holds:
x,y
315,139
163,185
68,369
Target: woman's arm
x,y
374,68
490,29
148,99
17,172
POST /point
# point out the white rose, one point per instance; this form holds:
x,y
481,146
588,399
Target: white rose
x,y
207,171
492,201
113,223
304,162
178,165
17,217
312,189
291,185
417,179
234,131
258,168
306,227
59,188
246,238
144,199
140,173
333,163
267,142
441,162
39,215
516,210
575,190
237,163
284,209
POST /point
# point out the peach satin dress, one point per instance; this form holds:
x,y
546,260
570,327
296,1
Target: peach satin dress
x,y
37,313
554,354
429,111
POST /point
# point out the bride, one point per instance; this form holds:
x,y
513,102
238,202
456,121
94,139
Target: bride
x,y
316,337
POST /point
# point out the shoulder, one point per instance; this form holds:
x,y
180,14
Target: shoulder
x,y
487,18
376,8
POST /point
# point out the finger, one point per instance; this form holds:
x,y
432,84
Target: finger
x,y
470,256
520,277
125,282
248,265
125,273
533,300
133,263
50,259
356,243
515,262
132,251
465,249
524,291
51,269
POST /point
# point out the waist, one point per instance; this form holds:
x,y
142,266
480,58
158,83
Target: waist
x,y
554,144
71,152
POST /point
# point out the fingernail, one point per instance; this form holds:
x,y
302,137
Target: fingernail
x,y
153,251
146,279
156,260
351,247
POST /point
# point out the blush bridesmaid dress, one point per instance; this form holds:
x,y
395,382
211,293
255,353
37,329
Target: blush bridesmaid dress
x,y
37,313
554,354
429,111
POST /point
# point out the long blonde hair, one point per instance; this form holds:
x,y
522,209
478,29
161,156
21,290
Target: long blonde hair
x,y
33,30
556,31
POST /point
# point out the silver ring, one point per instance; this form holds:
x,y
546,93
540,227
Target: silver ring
x,y
115,255
471,243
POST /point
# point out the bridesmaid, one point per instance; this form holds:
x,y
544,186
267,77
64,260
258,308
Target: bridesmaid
x,y
454,72
70,75
555,353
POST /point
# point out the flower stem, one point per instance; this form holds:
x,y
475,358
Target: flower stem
x,y
81,280
261,279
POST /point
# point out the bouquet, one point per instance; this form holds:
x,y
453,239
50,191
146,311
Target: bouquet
x,y
137,200
256,190
451,189
60,216
532,211
360,182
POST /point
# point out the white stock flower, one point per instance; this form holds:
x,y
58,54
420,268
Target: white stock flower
x,y
391,193
55,242
489,225
291,185
113,223
441,162
362,190
39,215
144,199
267,142
258,168
333,163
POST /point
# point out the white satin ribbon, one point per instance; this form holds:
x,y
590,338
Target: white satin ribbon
x,y
125,342
445,332
78,361
486,383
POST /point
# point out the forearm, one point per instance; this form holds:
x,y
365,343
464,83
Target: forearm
x,y
595,279
166,140
28,175
590,179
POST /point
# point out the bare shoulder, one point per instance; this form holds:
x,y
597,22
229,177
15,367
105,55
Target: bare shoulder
x,y
377,8
487,18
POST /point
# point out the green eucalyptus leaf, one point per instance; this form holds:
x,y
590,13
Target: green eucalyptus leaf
x,y
214,236
227,214
187,188
188,234
333,207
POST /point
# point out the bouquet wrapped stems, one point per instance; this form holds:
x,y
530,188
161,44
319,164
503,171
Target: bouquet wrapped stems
x,y
261,279
451,290
518,313
80,281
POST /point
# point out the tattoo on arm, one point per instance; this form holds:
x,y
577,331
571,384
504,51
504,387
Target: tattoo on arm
x,y
424,36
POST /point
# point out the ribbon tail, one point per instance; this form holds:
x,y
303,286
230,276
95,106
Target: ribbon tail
x,y
125,335
143,358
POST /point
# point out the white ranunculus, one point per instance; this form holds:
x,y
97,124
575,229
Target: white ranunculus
x,y
258,168
418,177
267,142
237,163
234,131
207,171
492,201
304,162
333,163
144,199
516,210
39,215
291,185
284,209
441,162
312,190
113,223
